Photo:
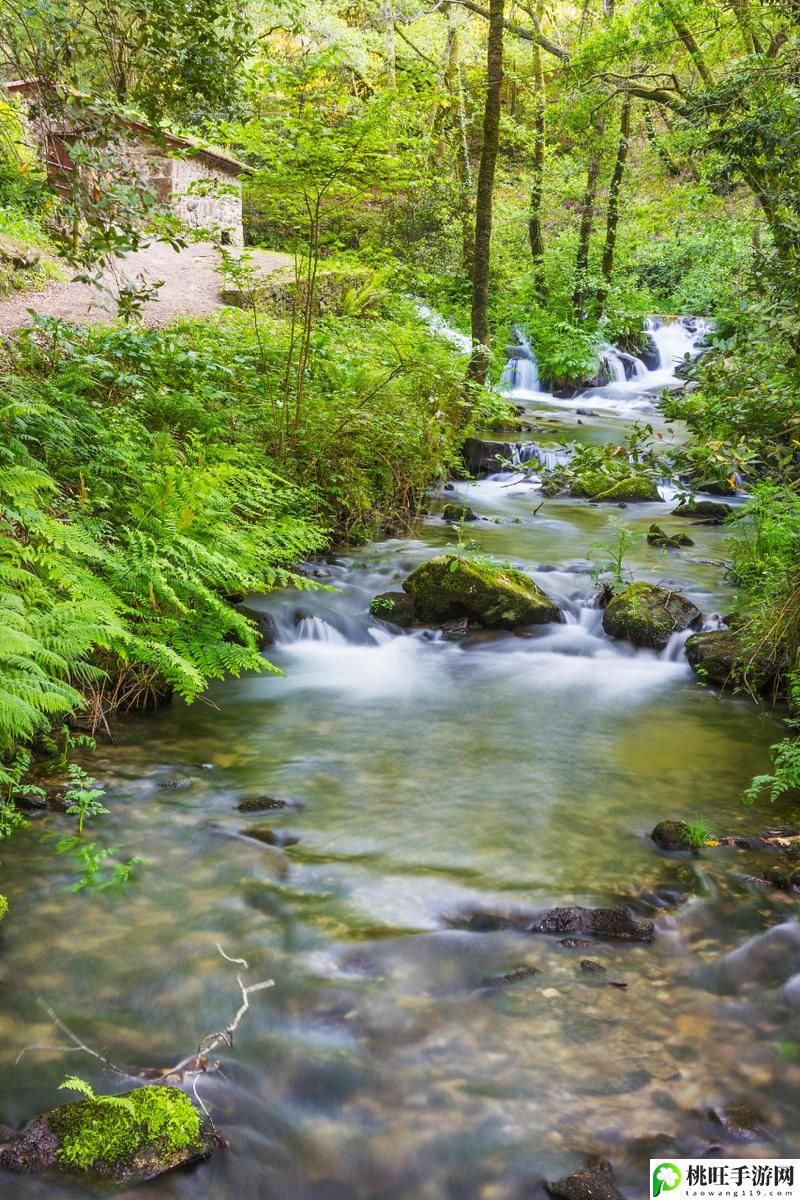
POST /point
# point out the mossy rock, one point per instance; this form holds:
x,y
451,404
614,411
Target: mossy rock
x,y
458,512
632,489
720,657
671,835
17,253
396,607
647,615
449,586
133,1137
3,907
704,512
657,537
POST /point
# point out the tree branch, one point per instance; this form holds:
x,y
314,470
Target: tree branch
x,y
527,35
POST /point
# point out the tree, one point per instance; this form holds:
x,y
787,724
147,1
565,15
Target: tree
x,y
479,362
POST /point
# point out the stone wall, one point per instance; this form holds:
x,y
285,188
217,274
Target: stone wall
x,y
202,192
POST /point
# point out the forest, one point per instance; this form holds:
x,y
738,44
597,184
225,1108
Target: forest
x,y
399,596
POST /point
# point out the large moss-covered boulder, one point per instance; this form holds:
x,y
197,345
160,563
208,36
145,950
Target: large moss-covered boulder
x,y
703,512
135,1136
497,597
632,489
648,615
719,656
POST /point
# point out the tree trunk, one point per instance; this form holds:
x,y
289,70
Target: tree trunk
x,y
391,54
615,187
687,37
587,222
535,232
479,362
655,142
455,89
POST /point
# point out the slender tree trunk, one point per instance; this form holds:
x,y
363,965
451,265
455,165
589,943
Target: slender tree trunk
x,y
479,362
587,221
614,189
687,37
535,232
391,54
655,142
455,88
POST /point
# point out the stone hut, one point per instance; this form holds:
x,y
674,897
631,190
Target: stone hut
x,y
201,184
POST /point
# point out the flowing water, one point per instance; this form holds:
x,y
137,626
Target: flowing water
x,y
426,778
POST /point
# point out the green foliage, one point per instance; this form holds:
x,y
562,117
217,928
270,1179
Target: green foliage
x,y
609,572
101,1130
785,774
698,833
81,797
613,471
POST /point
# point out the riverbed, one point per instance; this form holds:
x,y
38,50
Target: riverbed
x,y
425,778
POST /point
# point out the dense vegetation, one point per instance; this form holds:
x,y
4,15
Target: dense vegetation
x,y
568,169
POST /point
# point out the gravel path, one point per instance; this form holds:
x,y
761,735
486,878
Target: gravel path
x,y
191,288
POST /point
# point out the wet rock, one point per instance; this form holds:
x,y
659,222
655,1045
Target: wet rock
x,y
575,943
458,512
271,837
515,976
657,537
263,621
616,923
395,607
260,804
175,785
482,921
671,835
785,878
720,656
739,1121
647,615
137,1147
448,587
485,458
594,1182
591,967
454,631
704,512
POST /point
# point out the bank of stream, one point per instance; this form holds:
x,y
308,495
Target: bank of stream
x,y
425,778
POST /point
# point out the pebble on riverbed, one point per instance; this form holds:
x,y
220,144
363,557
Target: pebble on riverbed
x,y
260,804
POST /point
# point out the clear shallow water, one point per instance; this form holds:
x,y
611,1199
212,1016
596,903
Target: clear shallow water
x,y
429,777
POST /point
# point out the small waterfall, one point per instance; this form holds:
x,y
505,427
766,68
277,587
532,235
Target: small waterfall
x,y
521,372
437,324
621,365
676,341
316,629
673,651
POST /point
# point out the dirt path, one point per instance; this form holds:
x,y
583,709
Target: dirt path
x,y
191,288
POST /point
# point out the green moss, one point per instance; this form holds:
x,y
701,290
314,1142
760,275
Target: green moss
x,y
499,597
595,485
3,907
109,1128
647,615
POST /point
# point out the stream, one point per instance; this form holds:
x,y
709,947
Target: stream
x,y
425,778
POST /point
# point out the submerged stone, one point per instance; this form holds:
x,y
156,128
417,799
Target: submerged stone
x,y
615,922
260,804
594,1182
133,1137
739,1121
647,615
271,837
671,835
515,976
448,587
